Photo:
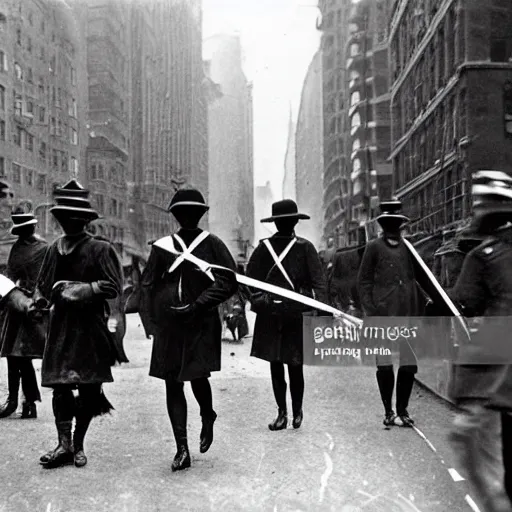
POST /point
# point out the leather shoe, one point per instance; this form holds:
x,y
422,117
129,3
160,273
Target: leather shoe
x,y
280,423
207,433
29,411
181,459
297,420
80,459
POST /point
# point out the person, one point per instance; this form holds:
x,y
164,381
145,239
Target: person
x,y
483,390
21,340
79,274
293,263
387,287
180,310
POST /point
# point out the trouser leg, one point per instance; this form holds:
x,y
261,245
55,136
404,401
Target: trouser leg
x,y
29,381
386,383
296,376
177,410
279,384
13,381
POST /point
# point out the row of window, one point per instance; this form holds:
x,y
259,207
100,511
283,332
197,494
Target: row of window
x,y
115,206
114,175
23,176
437,137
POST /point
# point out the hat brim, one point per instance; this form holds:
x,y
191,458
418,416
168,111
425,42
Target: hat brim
x,y
75,212
188,203
298,216
392,216
22,225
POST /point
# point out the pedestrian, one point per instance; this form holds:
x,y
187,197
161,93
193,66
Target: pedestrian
x,y
387,288
180,309
22,340
79,275
293,263
483,390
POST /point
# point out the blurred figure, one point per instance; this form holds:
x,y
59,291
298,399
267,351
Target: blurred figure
x,y
484,391
290,262
23,340
387,287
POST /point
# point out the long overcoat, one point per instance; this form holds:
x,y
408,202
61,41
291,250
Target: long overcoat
x,y
80,349
278,332
185,350
21,337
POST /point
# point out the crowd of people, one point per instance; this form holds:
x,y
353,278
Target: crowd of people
x,y
56,308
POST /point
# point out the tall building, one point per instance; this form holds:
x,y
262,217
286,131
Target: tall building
x,y
289,189
42,105
369,120
451,101
336,177
262,208
108,143
309,153
230,147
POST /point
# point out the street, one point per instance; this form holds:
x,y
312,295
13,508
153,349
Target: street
x,y
341,459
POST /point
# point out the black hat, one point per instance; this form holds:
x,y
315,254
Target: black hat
x,y
491,187
22,216
188,197
391,210
73,202
285,209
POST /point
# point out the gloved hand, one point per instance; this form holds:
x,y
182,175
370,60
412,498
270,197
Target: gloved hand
x,y
19,302
261,302
184,313
73,291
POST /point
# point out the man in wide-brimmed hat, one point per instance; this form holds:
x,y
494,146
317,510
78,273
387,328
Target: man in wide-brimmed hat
x,y
23,340
387,287
291,262
79,274
480,385
179,308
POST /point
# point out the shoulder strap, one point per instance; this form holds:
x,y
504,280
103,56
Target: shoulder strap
x,y
278,259
187,250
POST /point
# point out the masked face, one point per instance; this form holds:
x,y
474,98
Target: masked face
x,y
391,228
72,226
188,217
286,226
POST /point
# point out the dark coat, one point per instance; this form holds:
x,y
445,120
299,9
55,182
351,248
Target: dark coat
x,y
185,350
80,349
278,332
484,289
21,337
386,280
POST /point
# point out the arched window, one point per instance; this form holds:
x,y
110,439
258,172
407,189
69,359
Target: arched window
x,y
101,175
356,145
356,166
18,71
356,120
355,98
354,50
93,172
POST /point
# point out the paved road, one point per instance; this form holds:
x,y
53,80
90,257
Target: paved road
x,y
342,459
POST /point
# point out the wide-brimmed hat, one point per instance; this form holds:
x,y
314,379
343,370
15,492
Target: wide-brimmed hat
x,y
285,209
491,187
188,197
391,210
72,202
22,216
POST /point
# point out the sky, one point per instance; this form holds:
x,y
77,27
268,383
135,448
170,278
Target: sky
x,y
279,39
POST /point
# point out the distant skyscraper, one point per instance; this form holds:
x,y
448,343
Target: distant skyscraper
x,y
289,190
230,147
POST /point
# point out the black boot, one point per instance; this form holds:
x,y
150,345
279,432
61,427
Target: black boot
x,y
8,408
83,420
13,381
297,419
404,385
281,422
29,411
182,457
63,454
207,432
386,382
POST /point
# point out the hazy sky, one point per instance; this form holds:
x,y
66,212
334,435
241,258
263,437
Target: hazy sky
x,y
279,39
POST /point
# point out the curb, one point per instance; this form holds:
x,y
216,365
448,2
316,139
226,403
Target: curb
x,y
434,392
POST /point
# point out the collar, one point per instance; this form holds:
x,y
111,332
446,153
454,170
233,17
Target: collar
x,y
68,243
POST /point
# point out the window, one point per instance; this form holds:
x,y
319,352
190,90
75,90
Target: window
x,y
101,174
41,183
356,145
93,172
29,45
2,130
73,76
52,65
356,120
73,136
29,141
2,97
42,55
355,98
42,151
73,165
17,136
30,177
2,167
16,173
31,18
113,207
18,36
55,158
41,86
30,108
18,71
30,77
42,27
64,163
53,129
18,104
42,114
3,61
72,109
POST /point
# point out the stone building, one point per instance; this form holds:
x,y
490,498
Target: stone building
x,y
309,153
289,176
230,147
369,120
42,105
451,99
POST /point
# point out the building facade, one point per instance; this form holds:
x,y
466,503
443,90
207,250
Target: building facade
x,y
263,199
42,106
333,24
230,147
451,103
369,120
309,153
289,177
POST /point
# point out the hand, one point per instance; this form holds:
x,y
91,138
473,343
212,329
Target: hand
x,y
19,302
73,291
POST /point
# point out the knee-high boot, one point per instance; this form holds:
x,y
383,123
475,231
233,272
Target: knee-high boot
x,y
177,410
386,382
279,386
404,385
83,420
13,379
